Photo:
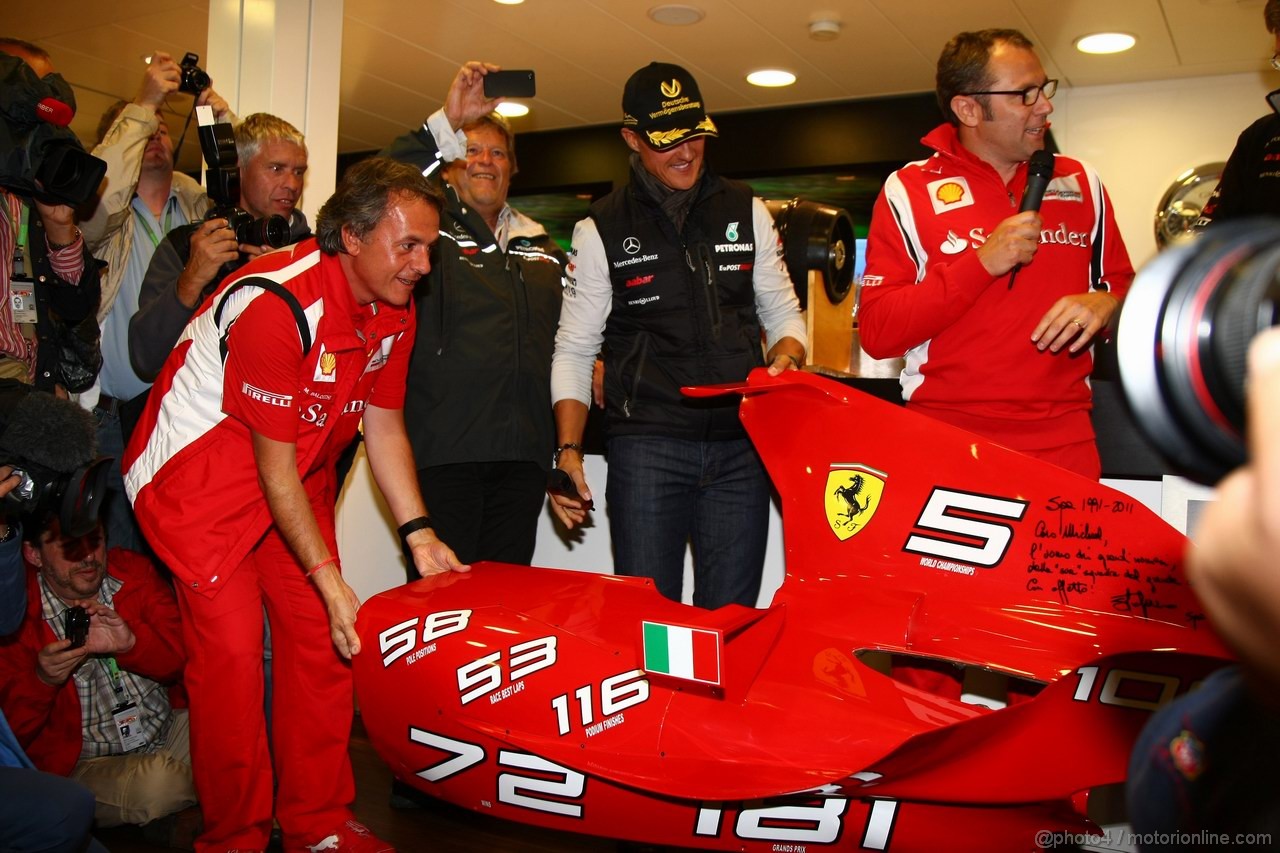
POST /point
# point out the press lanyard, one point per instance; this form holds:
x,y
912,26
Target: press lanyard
x,y
117,682
146,226
126,715
20,243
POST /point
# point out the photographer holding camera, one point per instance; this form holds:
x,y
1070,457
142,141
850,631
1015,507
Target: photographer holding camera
x,y
49,283
193,260
51,480
84,683
141,199
38,811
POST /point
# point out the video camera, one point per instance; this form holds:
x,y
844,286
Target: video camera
x,y
39,156
222,182
51,444
1183,338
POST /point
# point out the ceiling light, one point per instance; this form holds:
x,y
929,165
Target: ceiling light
x,y
509,2
1105,43
771,78
511,109
824,29
676,14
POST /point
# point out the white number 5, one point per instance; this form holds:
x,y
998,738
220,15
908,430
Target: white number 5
x,y
966,537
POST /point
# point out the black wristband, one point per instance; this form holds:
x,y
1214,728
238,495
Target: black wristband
x,y
412,526
555,460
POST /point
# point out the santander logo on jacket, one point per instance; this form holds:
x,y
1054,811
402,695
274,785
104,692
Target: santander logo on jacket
x,y
1062,235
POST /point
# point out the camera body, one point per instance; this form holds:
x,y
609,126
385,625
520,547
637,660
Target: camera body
x,y
270,231
194,79
222,180
40,157
51,445
75,622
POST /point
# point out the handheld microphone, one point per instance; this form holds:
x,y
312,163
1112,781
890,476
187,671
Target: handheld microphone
x,y
1039,172
55,112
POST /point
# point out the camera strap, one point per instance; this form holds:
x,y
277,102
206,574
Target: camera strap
x,y
295,307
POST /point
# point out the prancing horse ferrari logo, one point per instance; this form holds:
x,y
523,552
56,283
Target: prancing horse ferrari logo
x,y
852,497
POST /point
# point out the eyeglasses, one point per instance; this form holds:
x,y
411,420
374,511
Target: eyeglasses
x,y
1031,94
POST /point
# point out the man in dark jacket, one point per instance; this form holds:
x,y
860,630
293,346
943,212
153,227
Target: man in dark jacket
x,y
478,408
679,275
1250,183
192,260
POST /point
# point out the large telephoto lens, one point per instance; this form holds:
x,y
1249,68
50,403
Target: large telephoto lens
x,y
1183,337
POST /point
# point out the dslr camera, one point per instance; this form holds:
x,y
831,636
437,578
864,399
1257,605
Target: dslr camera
x,y
39,155
194,79
1183,338
222,180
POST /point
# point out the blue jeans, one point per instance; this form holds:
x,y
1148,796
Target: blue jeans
x,y
45,813
117,513
665,492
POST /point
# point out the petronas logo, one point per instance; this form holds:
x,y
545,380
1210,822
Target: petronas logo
x,y
731,233
670,90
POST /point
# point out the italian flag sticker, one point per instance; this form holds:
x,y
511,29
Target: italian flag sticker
x,y
689,653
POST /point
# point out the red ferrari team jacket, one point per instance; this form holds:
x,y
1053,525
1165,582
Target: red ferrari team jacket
x,y
967,336
299,370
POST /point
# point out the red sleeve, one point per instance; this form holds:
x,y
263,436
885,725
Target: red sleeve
x,y
895,313
28,703
388,391
152,615
264,357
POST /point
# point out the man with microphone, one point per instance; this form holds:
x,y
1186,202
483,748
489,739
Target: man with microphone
x,y
992,283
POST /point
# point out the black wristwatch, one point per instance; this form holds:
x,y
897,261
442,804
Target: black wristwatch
x,y
412,526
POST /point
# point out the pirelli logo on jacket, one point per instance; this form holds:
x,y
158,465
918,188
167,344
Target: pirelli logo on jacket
x,y
271,398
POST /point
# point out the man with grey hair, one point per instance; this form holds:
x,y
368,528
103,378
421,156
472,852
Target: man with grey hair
x,y
231,473
192,260
1250,183
487,317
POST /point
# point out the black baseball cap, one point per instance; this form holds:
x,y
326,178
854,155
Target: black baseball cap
x,y
661,103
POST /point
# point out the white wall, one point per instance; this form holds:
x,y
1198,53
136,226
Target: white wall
x,y
370,551
1141,136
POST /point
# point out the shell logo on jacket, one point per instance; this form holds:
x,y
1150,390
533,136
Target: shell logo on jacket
x,y
949,193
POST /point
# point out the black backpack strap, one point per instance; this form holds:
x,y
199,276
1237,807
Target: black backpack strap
x,y
299,316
